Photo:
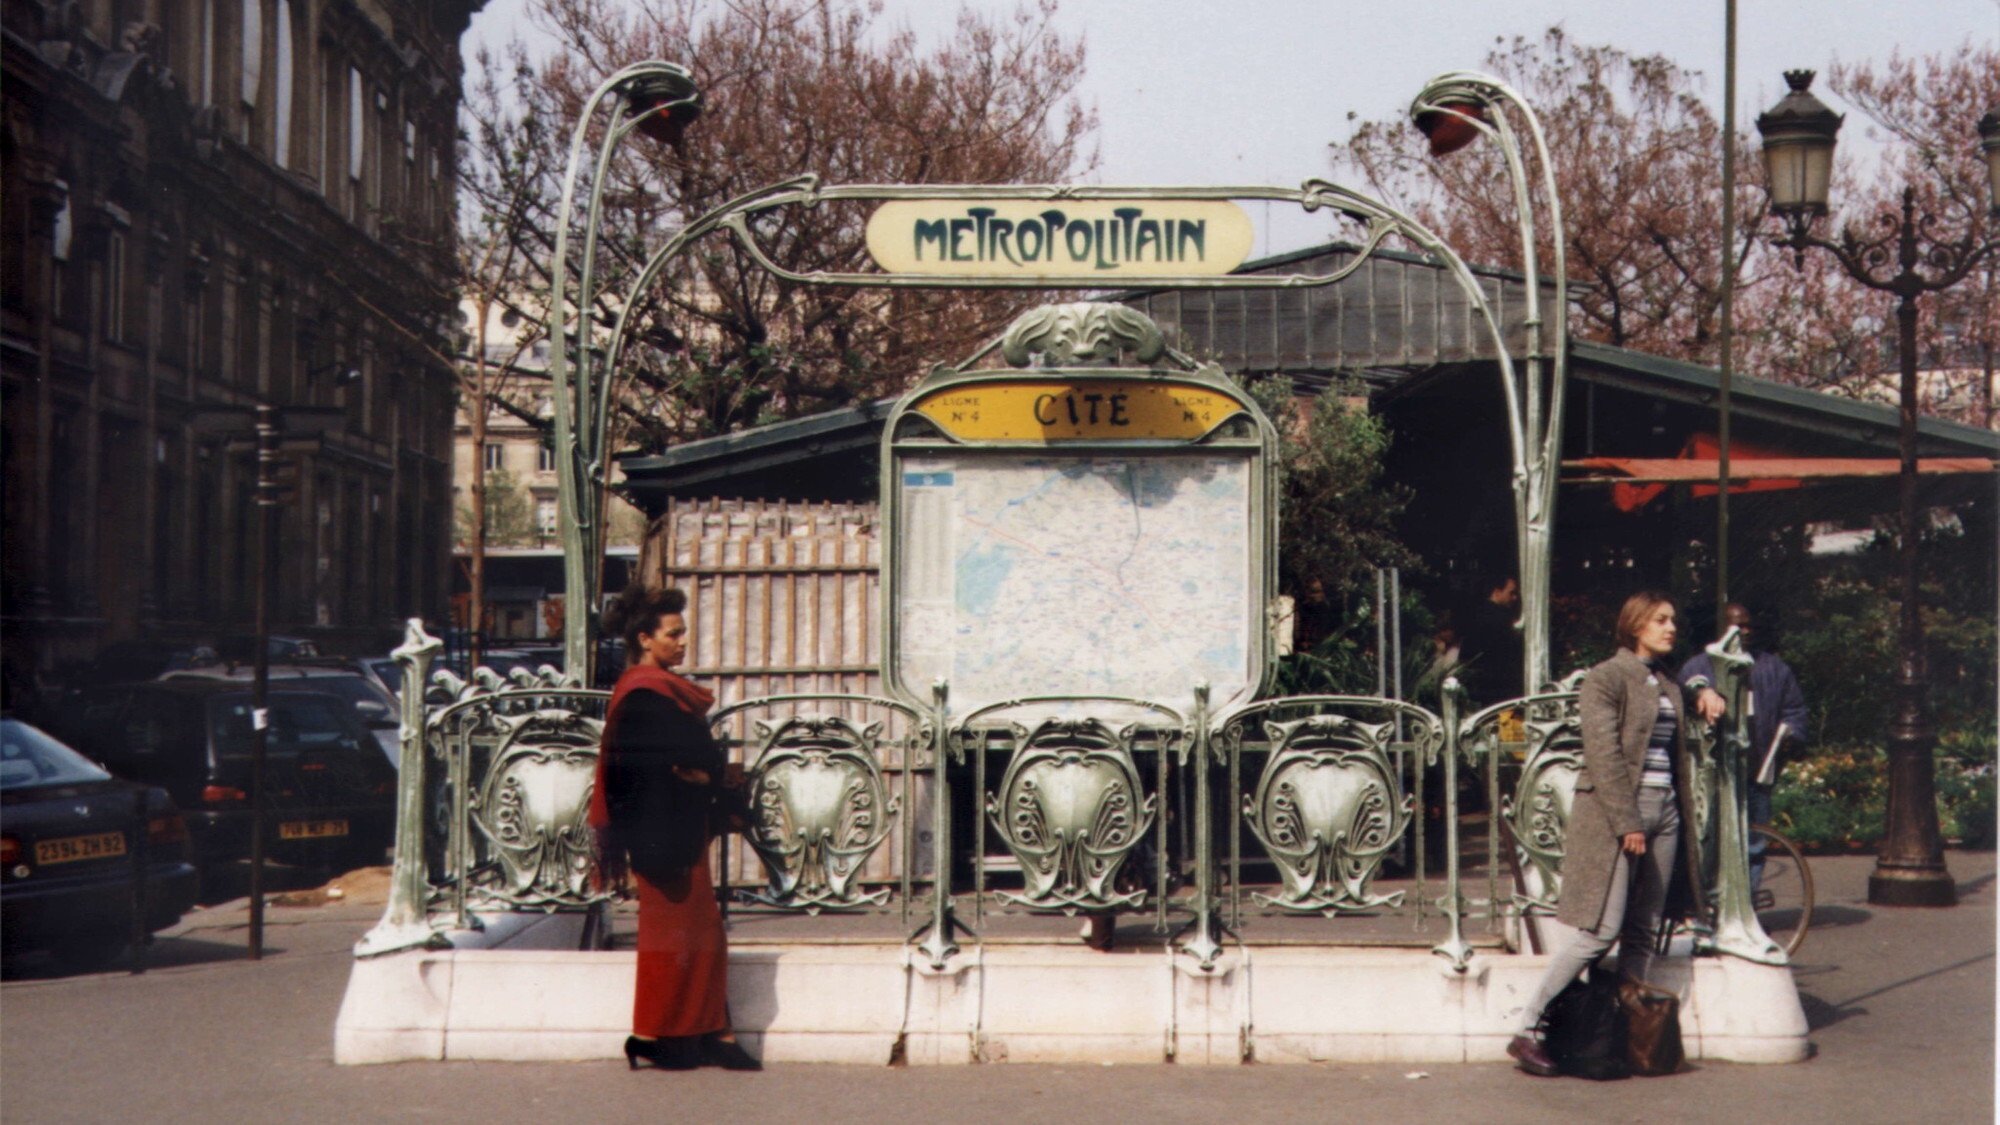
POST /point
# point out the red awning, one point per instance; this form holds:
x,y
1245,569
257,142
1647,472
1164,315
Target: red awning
x,y
1783,472
1635,481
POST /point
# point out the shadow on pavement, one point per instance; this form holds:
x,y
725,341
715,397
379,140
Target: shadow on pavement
x,y
164,953
1821,1013
1834,917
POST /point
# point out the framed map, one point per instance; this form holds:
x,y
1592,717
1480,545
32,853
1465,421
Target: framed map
x,y
1032,572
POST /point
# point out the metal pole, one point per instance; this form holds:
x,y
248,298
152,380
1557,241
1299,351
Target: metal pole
x,y
1728,314
1381,632
260,715
142,838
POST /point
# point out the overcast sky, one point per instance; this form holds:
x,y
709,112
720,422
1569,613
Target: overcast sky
x,y
1199,93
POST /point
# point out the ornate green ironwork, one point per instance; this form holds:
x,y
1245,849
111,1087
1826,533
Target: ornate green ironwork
x,y
530,810
1453,948
819,804
1329,803
1534,407
1737,931
1537,811
1071,807
405,921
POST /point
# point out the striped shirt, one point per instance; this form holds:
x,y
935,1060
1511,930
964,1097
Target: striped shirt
x,y
1659,769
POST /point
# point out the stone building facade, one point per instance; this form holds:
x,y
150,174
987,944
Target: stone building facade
x,y
223,203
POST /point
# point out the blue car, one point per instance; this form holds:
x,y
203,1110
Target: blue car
x,y
72,842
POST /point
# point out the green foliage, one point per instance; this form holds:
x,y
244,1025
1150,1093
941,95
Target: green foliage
x,y
510,516
1336,526
1338,516
1837,798
1843,643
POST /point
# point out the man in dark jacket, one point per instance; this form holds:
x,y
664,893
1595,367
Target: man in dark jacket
x,y
1775,700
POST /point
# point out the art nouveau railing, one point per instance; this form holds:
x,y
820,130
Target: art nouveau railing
x,y
1099,807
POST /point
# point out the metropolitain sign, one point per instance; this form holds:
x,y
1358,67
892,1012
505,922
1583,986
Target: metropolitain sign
x,y
1097,238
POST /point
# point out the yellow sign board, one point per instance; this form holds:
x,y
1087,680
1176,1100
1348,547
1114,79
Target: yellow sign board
x,y
1094,238
1045,410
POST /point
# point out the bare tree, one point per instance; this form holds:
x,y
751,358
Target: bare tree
x,y
791,87
1638,166
1637,163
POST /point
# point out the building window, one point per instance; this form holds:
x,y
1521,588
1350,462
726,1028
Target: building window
x,y
281,124
545,458
356,127
545,517
65,233
495,459
208,52
253,55
114,287
197,328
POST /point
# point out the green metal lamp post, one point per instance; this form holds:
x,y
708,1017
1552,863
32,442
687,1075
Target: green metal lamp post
x,y
659,100
1454,110
1798,138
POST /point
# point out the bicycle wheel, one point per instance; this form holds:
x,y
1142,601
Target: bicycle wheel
x,y
1784,896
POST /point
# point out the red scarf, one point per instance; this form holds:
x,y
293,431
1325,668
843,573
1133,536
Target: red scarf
x,y
686,695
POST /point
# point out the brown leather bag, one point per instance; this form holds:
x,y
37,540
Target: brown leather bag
x,y
1652,1029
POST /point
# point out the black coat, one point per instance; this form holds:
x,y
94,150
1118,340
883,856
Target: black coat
x,y
661,821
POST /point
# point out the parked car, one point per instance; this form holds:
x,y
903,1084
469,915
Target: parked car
x,y
384,671
127,661
374,706
241,648
70,838
329,797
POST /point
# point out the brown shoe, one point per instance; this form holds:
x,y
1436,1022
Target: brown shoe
x,y
1531,1056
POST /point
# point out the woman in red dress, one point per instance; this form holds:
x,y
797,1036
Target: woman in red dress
x,y
660,782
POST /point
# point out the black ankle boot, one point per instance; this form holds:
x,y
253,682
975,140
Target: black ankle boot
x,y
727,1054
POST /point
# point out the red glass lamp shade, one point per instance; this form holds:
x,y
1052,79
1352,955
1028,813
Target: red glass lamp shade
x,y
1450,126
648,93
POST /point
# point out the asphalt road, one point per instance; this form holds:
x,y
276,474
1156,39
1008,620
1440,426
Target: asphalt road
x,y
1901,1003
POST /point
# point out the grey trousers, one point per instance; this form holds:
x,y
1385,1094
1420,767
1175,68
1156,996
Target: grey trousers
x,y
1631,910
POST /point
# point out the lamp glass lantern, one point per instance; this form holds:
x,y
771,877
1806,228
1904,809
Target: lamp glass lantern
x,y
1798,136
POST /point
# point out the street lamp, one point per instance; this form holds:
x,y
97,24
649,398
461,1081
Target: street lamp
x,y
1798,156
1452,111
659,99
272,432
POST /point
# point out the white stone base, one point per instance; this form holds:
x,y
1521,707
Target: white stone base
x,y
882,1003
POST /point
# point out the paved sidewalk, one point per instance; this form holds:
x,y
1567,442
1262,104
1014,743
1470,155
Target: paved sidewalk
x,y
1901,1003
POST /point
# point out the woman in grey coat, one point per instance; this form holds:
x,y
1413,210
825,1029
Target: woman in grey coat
x,y
1624,830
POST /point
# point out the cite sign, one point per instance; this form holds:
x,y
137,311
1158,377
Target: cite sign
x,y
1042,410
1026,238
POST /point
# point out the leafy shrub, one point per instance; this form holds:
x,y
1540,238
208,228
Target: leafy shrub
x,y
1837,798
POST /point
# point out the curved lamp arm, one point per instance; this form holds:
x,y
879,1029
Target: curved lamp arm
x,y
1537,423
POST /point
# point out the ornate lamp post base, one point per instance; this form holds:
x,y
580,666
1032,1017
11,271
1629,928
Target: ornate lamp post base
x,y
1928,885
1910,870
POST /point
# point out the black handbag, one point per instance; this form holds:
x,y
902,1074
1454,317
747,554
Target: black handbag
x,y
1584,1028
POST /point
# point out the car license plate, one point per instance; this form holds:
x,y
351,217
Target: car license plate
x,y
311,829
71,848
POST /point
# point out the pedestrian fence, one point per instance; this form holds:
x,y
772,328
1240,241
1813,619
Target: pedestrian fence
x,y
1321,819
